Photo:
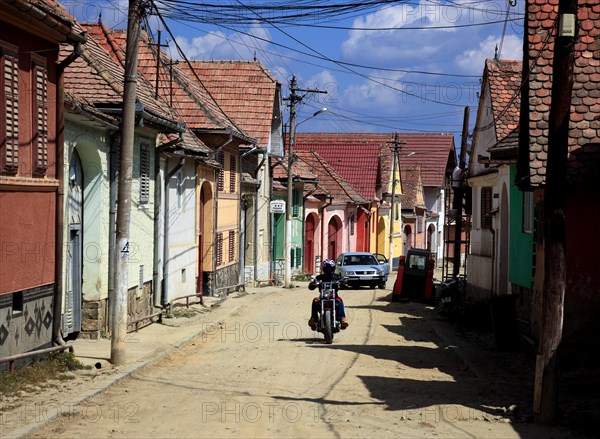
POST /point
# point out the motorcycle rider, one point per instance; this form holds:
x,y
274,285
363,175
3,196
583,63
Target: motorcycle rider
x,y
327,275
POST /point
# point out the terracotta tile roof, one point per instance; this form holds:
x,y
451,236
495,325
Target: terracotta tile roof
x,y
504,79
95,78
355,156
190,100
329,180
301,171
357,161
245,90
412,187
584,126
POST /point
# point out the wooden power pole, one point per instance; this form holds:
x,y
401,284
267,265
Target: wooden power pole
x,y
119,300
459,193
554,233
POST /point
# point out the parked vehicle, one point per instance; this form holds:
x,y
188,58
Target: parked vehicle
x,y
415,276
449,296
362,268
383,262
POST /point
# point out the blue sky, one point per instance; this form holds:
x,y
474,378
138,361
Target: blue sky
x,y
442,39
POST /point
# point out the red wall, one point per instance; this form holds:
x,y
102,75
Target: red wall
x,y
27,202
26,240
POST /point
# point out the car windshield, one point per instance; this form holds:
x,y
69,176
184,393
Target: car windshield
x,y
417,261
360,260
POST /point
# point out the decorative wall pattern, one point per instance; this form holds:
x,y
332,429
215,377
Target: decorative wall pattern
x,y
29,329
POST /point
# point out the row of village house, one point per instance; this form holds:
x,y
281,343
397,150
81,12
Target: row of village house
x,y
208,160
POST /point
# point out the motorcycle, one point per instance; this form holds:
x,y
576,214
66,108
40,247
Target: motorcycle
x,y
449,294
328,323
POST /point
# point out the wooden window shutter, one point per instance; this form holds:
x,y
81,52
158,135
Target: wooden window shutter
x,y
486,207
144,173
221,178
9,112
231,246
298,257
296,202
219,249
232,173
40,116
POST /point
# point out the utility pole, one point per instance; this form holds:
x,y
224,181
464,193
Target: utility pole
x,y
458,197
393,202
555,271
119,300
294,99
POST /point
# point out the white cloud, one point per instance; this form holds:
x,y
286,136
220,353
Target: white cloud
x,y
472,60
218,45
376,94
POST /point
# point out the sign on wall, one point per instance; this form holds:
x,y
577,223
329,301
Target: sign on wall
x,y
277,206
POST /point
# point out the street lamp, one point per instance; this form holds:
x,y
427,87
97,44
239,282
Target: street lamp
x,y
288,207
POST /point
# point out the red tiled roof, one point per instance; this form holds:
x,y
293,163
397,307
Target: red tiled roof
x,y
97,79
584,126
301,170
329,180
191,101
355,155
504,79
412,189
245,90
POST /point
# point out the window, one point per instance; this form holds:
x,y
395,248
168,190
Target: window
x,y
40,115
419,223
528,212
221,178
231,246
144,173
17,302
486,208
219,249
9,109
298,258
232,173
296,203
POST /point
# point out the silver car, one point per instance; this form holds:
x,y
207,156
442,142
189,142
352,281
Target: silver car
x,y
362,268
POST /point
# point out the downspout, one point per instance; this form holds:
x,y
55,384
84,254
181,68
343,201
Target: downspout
x,y
216,217
165,280
158,215
60,195
258,186
112,211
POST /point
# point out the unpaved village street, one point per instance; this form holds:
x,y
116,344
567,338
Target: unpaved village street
x,y
263,373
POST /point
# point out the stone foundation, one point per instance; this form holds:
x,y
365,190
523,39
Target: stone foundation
x,y
95,322
94,319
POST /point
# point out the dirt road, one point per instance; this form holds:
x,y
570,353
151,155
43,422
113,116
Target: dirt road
x,y
264,373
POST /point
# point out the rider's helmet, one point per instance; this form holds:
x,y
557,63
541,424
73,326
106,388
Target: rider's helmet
x,y
328,266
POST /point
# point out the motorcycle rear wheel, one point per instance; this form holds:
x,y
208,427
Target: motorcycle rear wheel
x,y
328,330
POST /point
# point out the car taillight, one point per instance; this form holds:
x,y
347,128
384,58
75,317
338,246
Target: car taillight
x,y
402,260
